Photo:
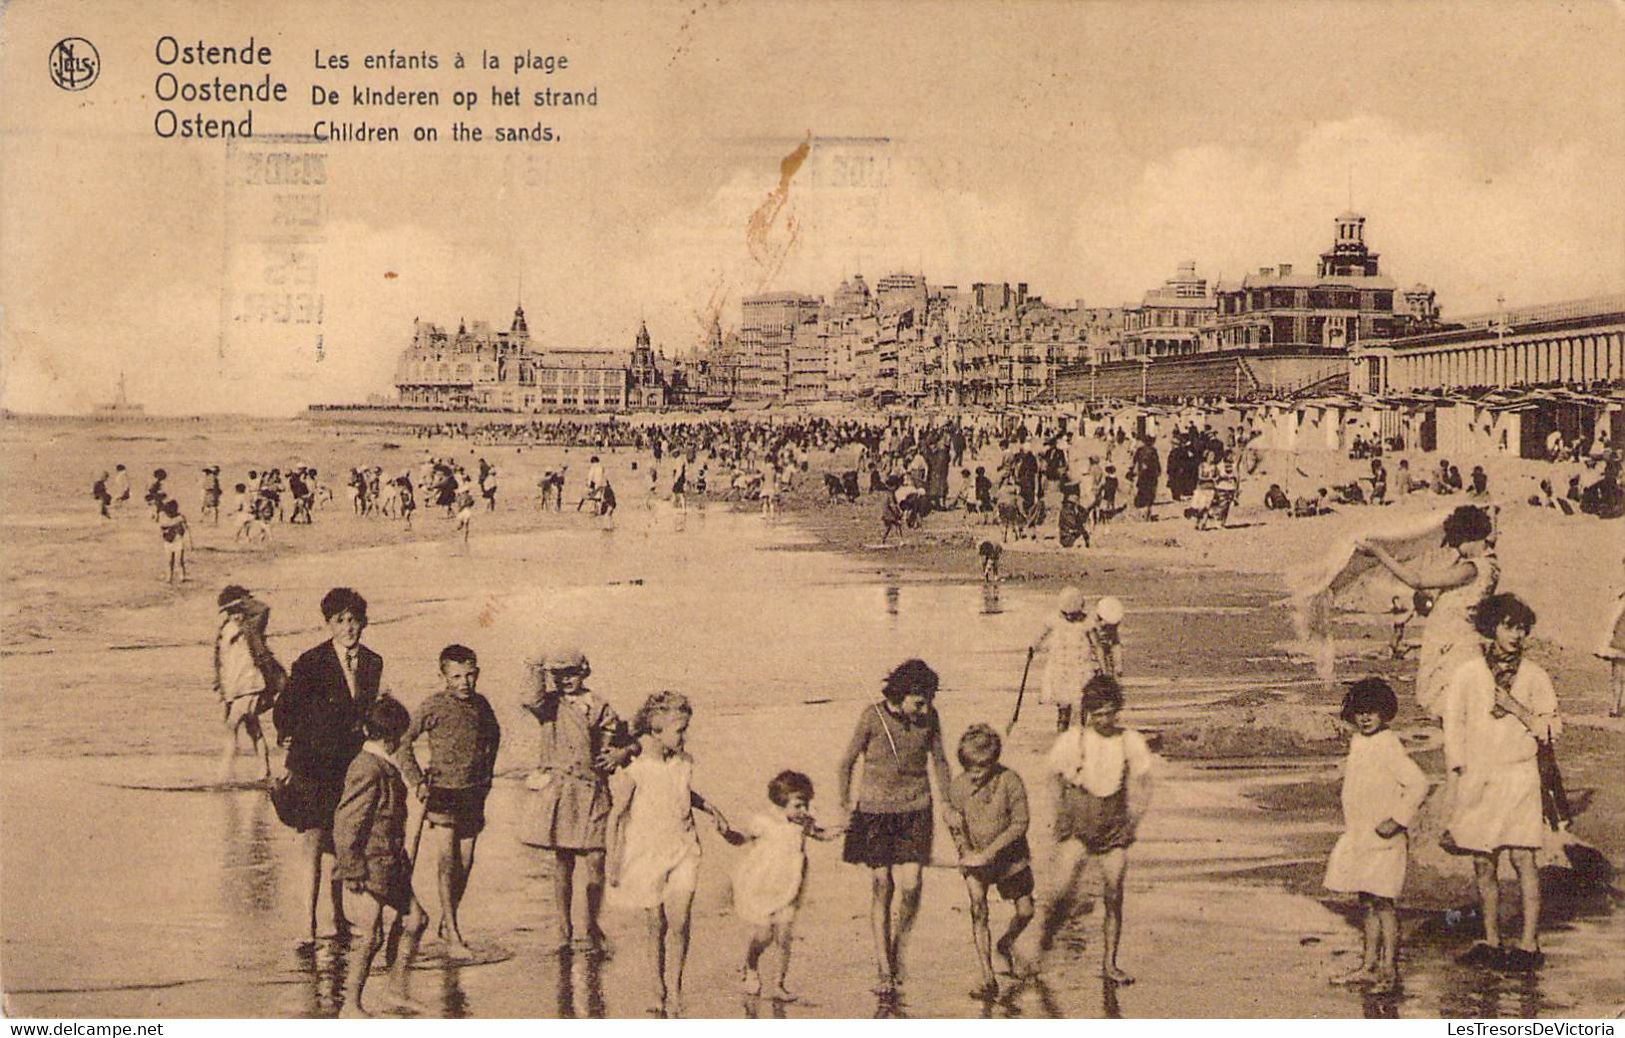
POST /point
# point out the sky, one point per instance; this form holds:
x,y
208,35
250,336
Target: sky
x,y
1086,149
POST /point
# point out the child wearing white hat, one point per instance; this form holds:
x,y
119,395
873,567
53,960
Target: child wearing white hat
x,y
1071,660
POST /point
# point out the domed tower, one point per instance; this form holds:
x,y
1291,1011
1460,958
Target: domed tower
x,y
1348,256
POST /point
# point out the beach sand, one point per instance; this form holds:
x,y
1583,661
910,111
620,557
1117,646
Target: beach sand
x,y
152,890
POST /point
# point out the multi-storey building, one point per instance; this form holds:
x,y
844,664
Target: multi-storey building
x,y
1347,300
1170,319
766,331
481,369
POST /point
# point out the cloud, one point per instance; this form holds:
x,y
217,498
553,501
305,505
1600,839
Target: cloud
x,y
1539,227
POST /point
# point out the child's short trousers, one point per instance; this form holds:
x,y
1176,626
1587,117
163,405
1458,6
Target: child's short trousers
x,y
245,711
1101,823
1013,887
1010,872
463,810
887,838
391,884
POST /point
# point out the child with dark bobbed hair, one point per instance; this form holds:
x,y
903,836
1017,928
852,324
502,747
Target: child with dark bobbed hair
x,y
1382,789
1457,585
1500,720
900,743
769,881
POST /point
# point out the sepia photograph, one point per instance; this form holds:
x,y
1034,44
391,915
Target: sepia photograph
x,y
736,510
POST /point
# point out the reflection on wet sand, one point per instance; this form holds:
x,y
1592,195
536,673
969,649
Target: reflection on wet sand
x,y
1205,919
580,986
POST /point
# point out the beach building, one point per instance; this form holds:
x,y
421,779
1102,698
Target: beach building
x,y
481,368
1170,320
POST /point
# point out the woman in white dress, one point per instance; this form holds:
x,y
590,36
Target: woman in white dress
x,y
1448,637
1498,709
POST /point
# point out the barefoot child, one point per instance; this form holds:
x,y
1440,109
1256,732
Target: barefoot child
x,y
769,882
1104,774
899,741
247,678
1499,711
465,513
654,849
582,741
1382,789
463,738
177,538
369,832
987,816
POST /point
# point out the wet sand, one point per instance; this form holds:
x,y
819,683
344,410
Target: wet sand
x,y
151,890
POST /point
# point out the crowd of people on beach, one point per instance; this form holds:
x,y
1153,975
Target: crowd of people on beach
x,y
614,804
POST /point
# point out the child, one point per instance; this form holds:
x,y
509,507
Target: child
x,y
679,486
211,493
156,495
369,832
120,487
984,494
1106,637
465,513
244,518
1011,517
990,554
900,743
247,678
1108,494
1104,778
1400,614
582,741
1498,710
408,501
1382,789
463,739
1275,499
987,816
770,490
654,850
1073,524
1071,661
102,497
769,882
177,538
891,513
488,486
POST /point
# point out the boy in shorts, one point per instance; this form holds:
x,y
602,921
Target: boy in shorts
x,y
369,834
1104,777
463,738
247,677
987,817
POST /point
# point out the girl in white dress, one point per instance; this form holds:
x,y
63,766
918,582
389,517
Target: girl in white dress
x,y
768,884
654,850
1382,789
1071,661
1499,709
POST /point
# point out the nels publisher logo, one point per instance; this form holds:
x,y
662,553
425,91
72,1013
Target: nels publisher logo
x,y
75,63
